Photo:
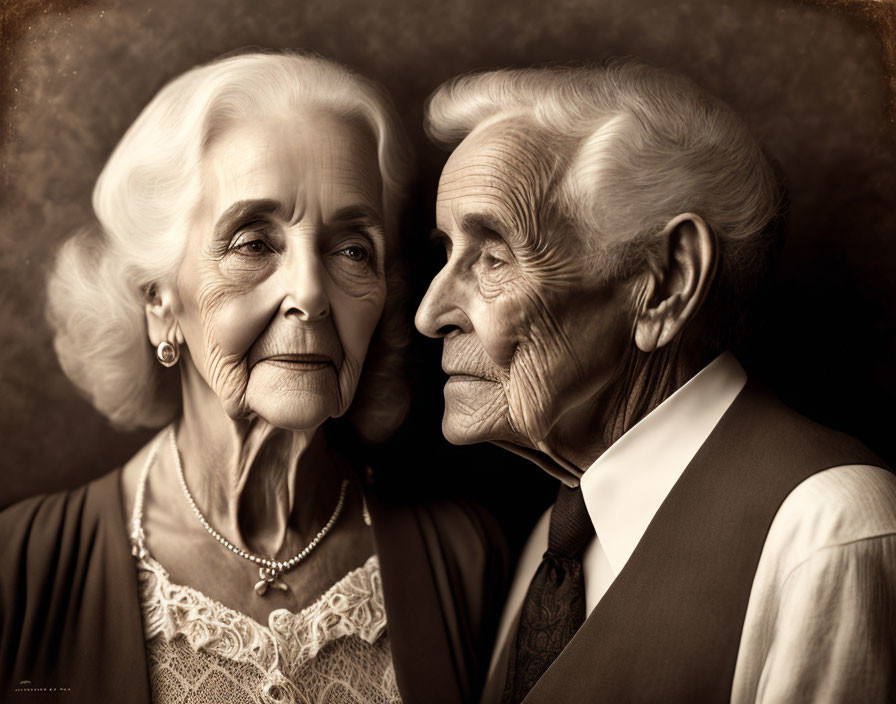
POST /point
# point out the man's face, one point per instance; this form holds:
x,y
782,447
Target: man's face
x,y
534,334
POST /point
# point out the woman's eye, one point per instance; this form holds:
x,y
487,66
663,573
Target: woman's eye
x,y
251,247
355,253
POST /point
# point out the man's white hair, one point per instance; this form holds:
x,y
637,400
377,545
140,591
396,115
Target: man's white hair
x,y
144,199
647,144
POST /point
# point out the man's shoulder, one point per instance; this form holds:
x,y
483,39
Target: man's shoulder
x,y
766,421
832,509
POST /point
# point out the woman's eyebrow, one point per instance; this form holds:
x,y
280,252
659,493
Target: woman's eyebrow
x,y
358,213
241,211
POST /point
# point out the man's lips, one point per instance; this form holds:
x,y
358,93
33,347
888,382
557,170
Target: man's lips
x,y
464,375
299,362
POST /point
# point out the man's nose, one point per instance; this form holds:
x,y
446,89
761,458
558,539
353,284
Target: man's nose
x,y
441,310
304,287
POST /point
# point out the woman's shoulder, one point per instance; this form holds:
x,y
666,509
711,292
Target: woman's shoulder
x,y
445,569
464,523
45,518
456,537
68,589
460,525
42,524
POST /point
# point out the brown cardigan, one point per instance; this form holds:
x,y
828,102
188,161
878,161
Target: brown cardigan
x,y
70,617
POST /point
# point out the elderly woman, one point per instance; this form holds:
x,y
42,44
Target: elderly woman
x,y
241,292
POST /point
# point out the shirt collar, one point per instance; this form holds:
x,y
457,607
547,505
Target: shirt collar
x,y
626,485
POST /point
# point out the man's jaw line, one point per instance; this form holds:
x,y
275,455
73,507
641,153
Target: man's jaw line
x,y
548,461
537,452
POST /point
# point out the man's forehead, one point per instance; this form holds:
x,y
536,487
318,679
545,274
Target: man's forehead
x,y
511,156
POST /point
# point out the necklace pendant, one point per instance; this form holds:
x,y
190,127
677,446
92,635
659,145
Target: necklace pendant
x,y
270,579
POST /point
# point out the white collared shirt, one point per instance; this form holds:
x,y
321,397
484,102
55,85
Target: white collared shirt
x,y
821,618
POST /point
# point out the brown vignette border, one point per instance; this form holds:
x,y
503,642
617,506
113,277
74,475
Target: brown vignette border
x,y
880,15
15,17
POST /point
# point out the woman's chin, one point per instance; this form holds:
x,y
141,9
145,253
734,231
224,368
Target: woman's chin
x,y
300,415
292,401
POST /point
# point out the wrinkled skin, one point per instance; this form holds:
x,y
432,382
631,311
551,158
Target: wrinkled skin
x,y
287,259
535,337
274,304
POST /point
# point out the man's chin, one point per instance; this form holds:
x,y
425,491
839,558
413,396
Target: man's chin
x,y
459,433
474,417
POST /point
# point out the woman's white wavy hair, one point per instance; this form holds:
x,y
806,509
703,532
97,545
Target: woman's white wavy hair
x,y
646,145
143,199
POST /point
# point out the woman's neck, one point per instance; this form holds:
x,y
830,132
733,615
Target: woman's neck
x,y
266,489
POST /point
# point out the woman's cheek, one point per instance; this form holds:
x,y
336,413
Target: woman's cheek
x,y
238,323
231,321
235,307
359,326
356,320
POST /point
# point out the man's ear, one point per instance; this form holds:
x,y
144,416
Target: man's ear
x,y
161,324
676,286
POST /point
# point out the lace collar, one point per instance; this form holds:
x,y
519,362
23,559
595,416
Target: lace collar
x,y
353,606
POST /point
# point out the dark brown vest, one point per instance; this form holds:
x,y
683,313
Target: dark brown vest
x,y
669,627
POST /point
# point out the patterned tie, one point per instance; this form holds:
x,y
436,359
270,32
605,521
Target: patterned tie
x,y
554,607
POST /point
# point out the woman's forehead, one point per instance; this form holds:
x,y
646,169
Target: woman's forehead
x,y
316,161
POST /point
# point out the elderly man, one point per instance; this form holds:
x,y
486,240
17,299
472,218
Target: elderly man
x,y
606,229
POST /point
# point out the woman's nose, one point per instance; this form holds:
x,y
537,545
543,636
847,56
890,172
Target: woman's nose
x,y
304,283
441,310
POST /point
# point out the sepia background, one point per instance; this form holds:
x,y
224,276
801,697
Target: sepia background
x,y
809,79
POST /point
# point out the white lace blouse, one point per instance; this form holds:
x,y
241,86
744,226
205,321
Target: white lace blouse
x,y
335,651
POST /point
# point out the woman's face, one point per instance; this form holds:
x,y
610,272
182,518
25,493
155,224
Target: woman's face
x,y
282,282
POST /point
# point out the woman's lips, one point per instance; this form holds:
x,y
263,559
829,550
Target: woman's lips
x,y
299,362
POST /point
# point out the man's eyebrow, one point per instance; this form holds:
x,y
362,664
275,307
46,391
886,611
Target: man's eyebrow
x,y
242,211
484,221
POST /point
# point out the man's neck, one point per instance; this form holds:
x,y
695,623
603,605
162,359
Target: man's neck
x,y
645,380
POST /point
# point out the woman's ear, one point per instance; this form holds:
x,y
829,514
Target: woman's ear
x,y
677,285
161,324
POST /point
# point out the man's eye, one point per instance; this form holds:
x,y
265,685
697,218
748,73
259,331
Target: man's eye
x,y
493,262
355,253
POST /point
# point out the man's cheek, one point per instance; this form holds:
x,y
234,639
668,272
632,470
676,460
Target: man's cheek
x,y
500,331
530,391
543,364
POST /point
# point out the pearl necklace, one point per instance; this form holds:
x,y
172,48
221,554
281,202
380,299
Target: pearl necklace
x,y
269,570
